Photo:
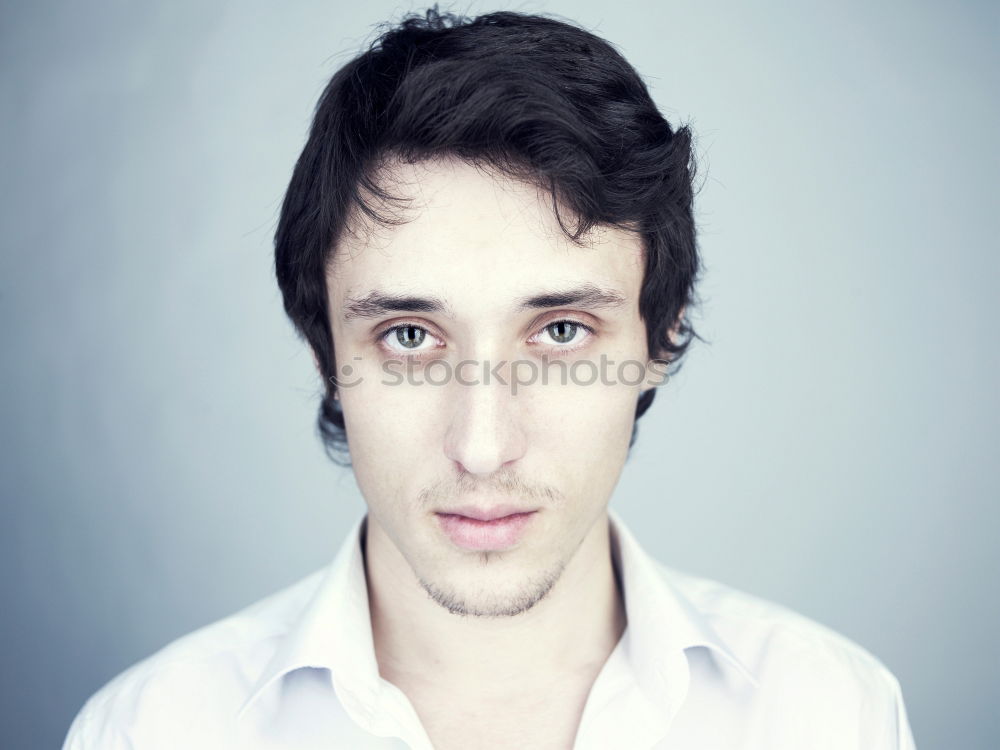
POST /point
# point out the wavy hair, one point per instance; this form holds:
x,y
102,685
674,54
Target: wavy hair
x,y
531,96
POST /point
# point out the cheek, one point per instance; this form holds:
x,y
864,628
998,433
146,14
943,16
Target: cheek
x,y
390,431
587,424
580,441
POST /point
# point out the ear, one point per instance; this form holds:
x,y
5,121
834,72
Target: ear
x,y
656,367
674,330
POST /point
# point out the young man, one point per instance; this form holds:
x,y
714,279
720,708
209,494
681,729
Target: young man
x,y
488,245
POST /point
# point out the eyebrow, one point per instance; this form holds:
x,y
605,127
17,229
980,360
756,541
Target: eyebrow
x,y
377,303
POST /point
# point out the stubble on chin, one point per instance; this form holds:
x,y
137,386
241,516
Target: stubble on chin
x,y
530,593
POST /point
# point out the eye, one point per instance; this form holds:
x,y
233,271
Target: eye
x,y
410,339
565,332
405,338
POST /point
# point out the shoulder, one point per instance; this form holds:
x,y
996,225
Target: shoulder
x,y
200,677
815,687
795,658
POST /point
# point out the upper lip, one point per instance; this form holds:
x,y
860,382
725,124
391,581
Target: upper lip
x,y
486,514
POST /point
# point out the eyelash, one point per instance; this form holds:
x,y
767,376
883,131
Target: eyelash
x,y
381,336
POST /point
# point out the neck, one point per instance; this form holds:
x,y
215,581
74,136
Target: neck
x,y
569,633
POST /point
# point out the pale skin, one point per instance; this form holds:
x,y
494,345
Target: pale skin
x,y
498,648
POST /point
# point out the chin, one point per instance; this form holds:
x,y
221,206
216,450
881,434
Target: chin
x,y
506,596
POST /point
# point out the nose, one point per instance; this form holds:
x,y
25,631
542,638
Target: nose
x,y
484,434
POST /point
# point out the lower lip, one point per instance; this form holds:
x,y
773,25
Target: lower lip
x,y
500,533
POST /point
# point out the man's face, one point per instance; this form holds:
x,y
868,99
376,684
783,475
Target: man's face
x,y
431,437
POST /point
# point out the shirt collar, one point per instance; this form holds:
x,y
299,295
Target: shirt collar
x,y
334,630
662,622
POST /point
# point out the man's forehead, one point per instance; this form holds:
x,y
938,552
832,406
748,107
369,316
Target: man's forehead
x,y
451,201
405,190
467,244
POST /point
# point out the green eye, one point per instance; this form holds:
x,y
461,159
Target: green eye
x,y
410,337
562,331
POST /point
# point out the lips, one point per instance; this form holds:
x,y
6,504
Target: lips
x,y
501,532
486,514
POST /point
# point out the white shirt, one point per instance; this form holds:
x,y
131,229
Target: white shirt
x,y
699,666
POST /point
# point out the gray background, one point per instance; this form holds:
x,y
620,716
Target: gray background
x,y
833,449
